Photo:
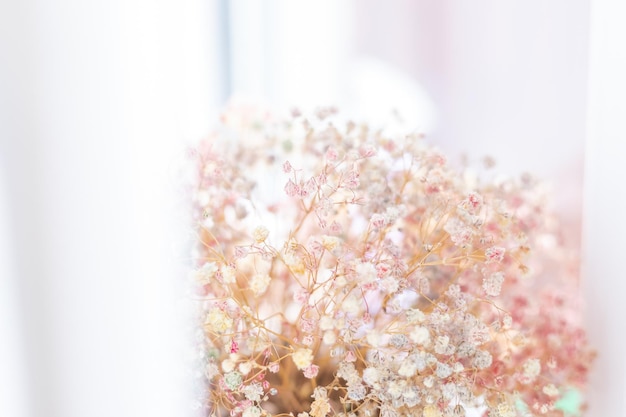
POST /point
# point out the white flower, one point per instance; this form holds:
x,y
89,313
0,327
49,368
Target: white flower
x,y
504,410
205,274
407,369
493,284
218,321
320,407
294,263
415,315
390,285
302,357
532,368
420,335
550,390
228,365
245,368
260,234
330,242
253,411
233,380
371,376
253,392
374,338
366,272
396,388
351,305
228,274
431,411
329,337
259,283
441,344
320,392
392,213
443,370
326,323
482,359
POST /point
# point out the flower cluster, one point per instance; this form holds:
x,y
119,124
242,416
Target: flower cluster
x,y
350,272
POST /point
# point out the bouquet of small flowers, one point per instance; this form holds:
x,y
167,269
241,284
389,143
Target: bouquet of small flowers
x,y
347,271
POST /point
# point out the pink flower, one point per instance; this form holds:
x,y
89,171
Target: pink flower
x,y
311,371
377,221
234,346
331,153
495,254
291,189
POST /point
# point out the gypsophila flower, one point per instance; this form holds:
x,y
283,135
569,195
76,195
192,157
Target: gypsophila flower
x,y
420,336
414,315
371,376
259,283
311,371
273,367
398,341
431,411
260,234
411,396
205,274
253,392
348,271
352,305
443,370
228,365
482,359
218,321
550,390
366,272
233,380
495,254
408,368
302,357
245,367
441,344
504,410
531,369
492,284
356,392
329,338
252,411
228,274
320,407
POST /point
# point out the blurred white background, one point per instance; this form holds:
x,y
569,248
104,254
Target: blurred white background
x,y
98,100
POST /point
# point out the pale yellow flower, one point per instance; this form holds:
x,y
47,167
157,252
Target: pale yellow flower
x,y
260,234
302,357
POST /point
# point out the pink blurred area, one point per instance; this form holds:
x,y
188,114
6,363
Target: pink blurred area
x,y
506,80
98,100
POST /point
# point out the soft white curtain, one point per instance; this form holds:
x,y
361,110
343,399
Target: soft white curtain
x,y
604,207
96,101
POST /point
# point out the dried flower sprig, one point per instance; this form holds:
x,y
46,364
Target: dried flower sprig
x,y
349,272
